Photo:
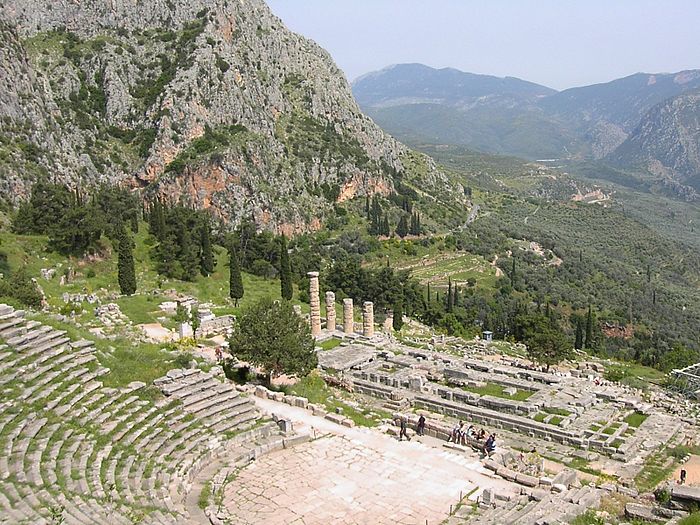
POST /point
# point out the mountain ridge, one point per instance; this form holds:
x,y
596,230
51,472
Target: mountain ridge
x,y
586,122
212,100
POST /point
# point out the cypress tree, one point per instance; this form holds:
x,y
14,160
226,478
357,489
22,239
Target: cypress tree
x,y
285,271
578,340
402,227
235,280
397,321
449,298
385,226
415,224
206,264
126,272
429,294
588,342
512,274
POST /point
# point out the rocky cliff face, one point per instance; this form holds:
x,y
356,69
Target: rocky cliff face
x,y
210,101
667,144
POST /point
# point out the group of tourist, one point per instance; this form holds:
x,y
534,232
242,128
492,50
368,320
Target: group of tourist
x,y
470,434
460,434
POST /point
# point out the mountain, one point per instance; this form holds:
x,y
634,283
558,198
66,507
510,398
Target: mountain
x,y
666,143
605,114
512,116
211,102
404,84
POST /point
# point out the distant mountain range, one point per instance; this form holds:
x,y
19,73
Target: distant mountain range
x,y
643,121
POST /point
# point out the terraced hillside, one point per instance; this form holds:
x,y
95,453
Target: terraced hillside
x,y
73,451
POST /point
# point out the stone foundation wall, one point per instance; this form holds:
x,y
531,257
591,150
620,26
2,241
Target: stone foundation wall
x,y
214,326
497,420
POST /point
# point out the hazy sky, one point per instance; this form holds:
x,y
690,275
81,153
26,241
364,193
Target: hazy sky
x,y
559,43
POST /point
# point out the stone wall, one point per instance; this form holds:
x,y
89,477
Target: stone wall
x,y
217,325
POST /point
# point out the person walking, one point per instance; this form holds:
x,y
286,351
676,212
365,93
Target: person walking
x,y
421,425
403,432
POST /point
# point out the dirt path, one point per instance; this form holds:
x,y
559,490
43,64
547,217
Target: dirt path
x,y
499,272
692,468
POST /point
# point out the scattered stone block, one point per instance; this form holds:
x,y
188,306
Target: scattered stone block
x,y
488,496
628,491
636,511
528,481
566,477
335,418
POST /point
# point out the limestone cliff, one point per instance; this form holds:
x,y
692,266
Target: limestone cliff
x,y
210,101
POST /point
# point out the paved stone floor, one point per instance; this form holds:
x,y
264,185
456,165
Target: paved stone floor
x,y
352,476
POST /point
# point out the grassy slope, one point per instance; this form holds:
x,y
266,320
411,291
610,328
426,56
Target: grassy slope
x,y
127,361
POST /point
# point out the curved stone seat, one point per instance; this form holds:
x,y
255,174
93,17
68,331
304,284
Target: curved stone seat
x,y
103,454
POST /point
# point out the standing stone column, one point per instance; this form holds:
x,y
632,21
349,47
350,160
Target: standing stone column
x,y
348,317
330,311
315,302
368,319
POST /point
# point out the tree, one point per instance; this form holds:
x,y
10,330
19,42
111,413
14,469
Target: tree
x,y
44,210
546,344
126,272
402,227
20,287
285,271
206,263
235,280
415,228
588,341
76,232
450,297
180,313
269,334
194,320
156,219
398,315
578,340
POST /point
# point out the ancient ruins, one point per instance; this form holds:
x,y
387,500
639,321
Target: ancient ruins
x,y
567,439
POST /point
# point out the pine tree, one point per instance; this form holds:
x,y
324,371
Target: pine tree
x,y
588,342
126,272
235,280
578,340
206,263
397,321
285,271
